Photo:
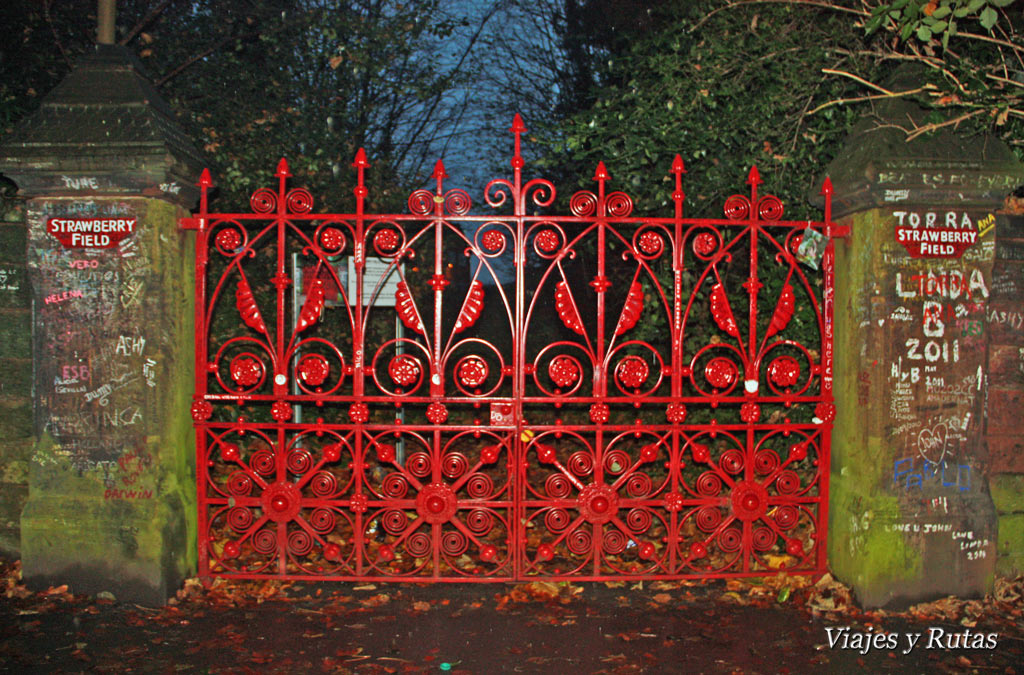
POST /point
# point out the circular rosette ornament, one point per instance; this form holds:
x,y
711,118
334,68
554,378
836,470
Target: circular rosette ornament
x,y
386,241
405,371
649,244
824,412
471,371
359,413
201,410
437,413
631,372
229,240
547,242
750,412
331,240
784,372
281,411
247,371
564,371
436,503
492,241
676,413
704,244
721,373
313,369
281,502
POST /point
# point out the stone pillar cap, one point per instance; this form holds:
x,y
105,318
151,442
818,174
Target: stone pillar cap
x,y
877,166
104,120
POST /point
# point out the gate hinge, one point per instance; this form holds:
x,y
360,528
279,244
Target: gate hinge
x,y
191,223
837,231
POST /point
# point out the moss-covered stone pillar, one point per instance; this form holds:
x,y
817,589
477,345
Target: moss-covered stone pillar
x,y
1005,399
911,516
106,173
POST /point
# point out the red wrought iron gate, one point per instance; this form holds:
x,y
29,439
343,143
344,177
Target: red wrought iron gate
x,y
586,396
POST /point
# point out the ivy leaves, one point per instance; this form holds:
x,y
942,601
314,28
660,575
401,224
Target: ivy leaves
x,y
930,19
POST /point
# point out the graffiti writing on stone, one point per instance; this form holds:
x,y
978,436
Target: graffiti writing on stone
x,y
936,313
97,368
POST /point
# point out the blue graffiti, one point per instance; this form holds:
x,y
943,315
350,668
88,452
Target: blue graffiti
x,y
914,472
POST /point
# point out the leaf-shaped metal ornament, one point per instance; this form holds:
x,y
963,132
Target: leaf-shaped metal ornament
x,y
313,307
406,308
632,308
567,311
722,312
783,311
246,304
472,307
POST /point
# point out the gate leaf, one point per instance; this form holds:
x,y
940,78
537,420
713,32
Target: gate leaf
x,y
313,307
566,307
406,308
472,307
246,304
783,311
722,312
632,308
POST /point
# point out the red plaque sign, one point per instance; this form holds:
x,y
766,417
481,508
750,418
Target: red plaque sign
x,y
932,234
935,242
91,232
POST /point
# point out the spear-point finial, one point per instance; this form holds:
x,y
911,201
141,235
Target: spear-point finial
x,y
601,174
282,169
439,172
826,187
754,178
677,165
360,162
205,180
517,125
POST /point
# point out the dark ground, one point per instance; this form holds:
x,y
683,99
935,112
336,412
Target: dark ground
x,y
658,627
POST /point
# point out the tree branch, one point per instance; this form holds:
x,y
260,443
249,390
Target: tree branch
x,y
857,78
995,41
938,125
875,97
198,57
146,20
810,3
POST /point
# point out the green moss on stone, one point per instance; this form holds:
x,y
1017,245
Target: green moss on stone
x,y
1011,535
1007,492
862,550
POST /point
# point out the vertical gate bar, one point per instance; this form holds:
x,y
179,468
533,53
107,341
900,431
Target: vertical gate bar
x,y
518,452
359,349
678,197
201,371
600,284
825,462
280,283
438,283
750,372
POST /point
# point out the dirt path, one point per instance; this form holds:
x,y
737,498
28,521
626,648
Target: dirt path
x,y
532,628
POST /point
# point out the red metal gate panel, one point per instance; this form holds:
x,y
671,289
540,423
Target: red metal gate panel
x,y
442,395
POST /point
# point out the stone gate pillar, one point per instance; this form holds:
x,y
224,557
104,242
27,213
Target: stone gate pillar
x,y
106,173
911,514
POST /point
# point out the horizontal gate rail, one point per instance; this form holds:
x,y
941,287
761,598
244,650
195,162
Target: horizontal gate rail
x,y
515,393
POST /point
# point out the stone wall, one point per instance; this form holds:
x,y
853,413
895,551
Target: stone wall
x,y
15,378
1004,430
